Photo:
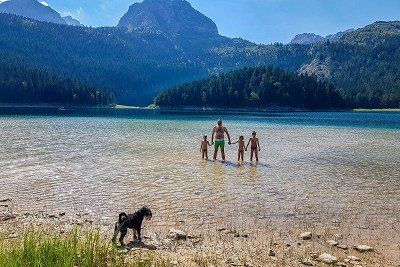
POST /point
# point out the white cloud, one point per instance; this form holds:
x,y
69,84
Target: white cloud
x,y
2,1
44,3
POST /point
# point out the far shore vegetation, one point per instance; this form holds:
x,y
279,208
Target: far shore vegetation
x,y
377,110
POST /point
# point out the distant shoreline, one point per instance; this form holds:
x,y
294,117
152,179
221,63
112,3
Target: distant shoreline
x,y
153,107
59,106
392,110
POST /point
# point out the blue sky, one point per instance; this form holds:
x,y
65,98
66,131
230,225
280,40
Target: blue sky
x,y
261,21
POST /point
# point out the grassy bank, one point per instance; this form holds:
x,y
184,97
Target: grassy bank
x,y
73,249
377,110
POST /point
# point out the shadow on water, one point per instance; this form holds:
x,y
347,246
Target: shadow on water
x,y
242,164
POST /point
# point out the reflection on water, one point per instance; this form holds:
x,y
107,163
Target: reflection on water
x,y
103,165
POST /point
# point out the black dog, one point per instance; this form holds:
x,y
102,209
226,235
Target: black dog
x,y
131,221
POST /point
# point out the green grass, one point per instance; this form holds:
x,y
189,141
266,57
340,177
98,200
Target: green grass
x,y
87,250
377,110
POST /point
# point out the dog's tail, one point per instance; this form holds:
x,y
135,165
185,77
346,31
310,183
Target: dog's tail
x,y
122,217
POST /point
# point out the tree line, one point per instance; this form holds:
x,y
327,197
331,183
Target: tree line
x,y
259,87
22,84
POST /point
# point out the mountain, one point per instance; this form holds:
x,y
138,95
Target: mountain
x,y
135,66
307,39
337,36
312,38
260,87
135,62
31,9
173,18
71,21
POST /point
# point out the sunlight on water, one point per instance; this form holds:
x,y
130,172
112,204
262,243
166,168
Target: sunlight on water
x,y
104,165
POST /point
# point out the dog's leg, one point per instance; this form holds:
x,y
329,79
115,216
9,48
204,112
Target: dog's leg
x,y
138,234
116,230
134,233
123,234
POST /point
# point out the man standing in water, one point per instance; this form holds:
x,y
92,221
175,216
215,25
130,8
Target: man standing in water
x,y
219,132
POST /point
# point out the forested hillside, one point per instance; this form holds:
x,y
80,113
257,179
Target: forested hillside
x,y
260,87
364,65
134,65
21,84
136,62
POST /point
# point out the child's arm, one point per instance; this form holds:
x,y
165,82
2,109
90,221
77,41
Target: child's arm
x,y
258,143
201,147
248,144
209,143
235,143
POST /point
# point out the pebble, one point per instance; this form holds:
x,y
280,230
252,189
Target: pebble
x,y
271,253
363,248
344,247
7,217
353,258
327,258
342,264
307,262
13,235
314,255
306,236
332,243
177,234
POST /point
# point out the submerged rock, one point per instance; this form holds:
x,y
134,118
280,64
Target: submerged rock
x,y
306,236
327,258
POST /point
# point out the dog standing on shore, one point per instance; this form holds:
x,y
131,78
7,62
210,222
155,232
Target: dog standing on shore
x,y
131,221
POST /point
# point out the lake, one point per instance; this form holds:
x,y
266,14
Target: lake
x,y
314,166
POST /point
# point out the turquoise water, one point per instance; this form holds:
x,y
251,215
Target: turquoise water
x,y
100,162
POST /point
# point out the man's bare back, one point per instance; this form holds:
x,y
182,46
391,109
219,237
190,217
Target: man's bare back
x,y
218,134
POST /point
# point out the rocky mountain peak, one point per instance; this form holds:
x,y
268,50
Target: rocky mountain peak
x,y
174,18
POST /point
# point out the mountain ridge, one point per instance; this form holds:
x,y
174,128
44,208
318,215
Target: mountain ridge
x,y
312,38
31,9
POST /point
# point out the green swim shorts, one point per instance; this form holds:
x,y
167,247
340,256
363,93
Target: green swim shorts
x,y
218,144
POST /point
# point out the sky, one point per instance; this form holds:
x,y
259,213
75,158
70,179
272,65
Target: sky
x,y
260,21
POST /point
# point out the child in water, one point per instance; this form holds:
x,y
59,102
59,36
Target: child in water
x,y
255,146
204,147
241,147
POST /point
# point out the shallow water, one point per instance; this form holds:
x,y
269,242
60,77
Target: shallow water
x,y
313,165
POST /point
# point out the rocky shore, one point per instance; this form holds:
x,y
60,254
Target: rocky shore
x,y
182,244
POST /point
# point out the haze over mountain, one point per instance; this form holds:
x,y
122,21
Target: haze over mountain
x,y
31,9
71,21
